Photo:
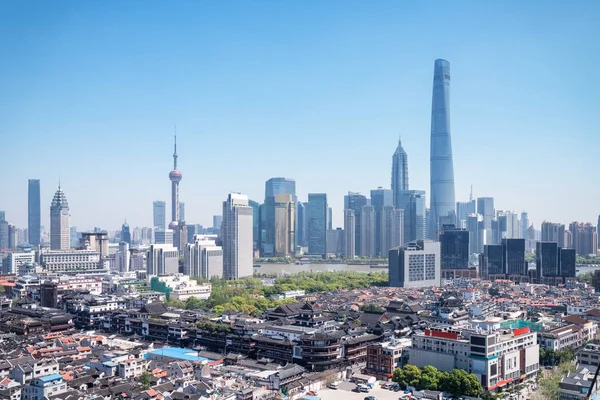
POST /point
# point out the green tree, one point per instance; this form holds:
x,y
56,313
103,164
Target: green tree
x,y
193,303
460,383
146,380
409,375
430,378
372,308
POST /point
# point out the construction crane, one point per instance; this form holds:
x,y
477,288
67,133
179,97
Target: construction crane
x,y
591,389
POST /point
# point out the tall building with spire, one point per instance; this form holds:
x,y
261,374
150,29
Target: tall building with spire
x,y
60,233
399,172
442,203
175,177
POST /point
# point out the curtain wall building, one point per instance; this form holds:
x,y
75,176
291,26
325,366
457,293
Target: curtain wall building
x,y
34,212
442,201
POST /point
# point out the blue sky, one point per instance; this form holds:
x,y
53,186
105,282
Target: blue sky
x,y
318,91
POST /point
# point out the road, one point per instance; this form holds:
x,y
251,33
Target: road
x,y
345,393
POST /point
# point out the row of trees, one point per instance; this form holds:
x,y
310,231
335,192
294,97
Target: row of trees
x,y
251,296
457,382
552,357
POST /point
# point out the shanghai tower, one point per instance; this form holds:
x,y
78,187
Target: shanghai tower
x,y
441,168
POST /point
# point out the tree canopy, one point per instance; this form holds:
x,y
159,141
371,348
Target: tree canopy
x,y
457,382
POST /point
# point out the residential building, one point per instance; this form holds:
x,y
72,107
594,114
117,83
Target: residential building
x,y
45,387
553,232
237,237
585,238
368,228
415,265
72,261
350,234
59,222
34,212
335,242
317,223
391,229
384,357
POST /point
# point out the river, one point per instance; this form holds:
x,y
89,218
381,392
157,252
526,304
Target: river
x,y
271,268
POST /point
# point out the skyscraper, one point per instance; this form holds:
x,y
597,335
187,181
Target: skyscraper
x,y
442,202
524,225
585,238
300,224
34,212
553,232
355,202
317,223
255,224
285,221
125,233
237,237
399,171
412,203
367,232
454,245
415,265
60,234
463,209
273,187
349,233
381,198
181,211
485,207
159,213
391,229
4,234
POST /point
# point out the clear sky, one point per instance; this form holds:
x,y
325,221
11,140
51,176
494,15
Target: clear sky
x,y
314,90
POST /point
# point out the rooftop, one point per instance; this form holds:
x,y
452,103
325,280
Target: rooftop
x,y
181,354
50,378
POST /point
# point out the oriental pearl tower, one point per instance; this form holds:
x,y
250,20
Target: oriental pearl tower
x,y
175,176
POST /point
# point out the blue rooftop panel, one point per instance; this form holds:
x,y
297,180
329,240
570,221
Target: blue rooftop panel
x,y
180,354
50,378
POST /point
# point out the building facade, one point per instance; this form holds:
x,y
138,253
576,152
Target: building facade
x,y
34,212
285,223
162,259
60,235
350,234
415,265
236,232
412,203
317,223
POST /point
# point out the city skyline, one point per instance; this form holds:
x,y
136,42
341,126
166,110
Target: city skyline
x,y
394,98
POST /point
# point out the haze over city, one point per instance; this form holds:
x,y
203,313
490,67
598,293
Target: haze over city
x,y
318,92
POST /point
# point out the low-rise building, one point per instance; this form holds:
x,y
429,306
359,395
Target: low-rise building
x,y
44,387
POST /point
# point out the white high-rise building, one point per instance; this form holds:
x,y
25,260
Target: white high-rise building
x,y
123,258
163,236
350,234
237,237
162,259
203,258
60,233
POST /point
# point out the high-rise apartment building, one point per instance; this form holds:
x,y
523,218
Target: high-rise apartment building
x,y
273,187
442,200
349,232
454,248
567,263
4,234
399,171
285,222
60,234
34,212
585,238
335,242
391,229
317,223
380,198
237,237
368,228
159,213
163,236
553,232
162,259
123,258
415,265
412,203
355,202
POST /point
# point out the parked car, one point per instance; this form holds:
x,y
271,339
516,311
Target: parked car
x,y
370,398
334,385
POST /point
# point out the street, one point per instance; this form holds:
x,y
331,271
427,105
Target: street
x,y
345,393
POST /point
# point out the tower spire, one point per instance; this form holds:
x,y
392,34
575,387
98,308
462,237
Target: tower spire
x,y
175,150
